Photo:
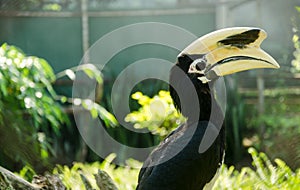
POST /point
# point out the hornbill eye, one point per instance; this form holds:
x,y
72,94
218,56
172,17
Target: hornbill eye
x,y
201,65
198,66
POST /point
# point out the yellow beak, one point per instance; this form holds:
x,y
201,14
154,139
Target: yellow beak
x,y
228,51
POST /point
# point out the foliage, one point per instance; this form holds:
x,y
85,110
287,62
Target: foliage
x,y
265,176
296,61
280,115
93,107
275,123
18,139
26,85
157,114
125,177
281,136
26,92
30,112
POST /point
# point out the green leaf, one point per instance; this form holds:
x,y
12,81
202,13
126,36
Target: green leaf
x,y
44,154
27,173
94,112
3,85
107,117
92,72
47,70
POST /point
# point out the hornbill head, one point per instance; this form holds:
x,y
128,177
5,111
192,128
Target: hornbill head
x,y
217,54
228,51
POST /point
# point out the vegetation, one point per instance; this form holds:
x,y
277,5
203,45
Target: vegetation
x,y
81,175
157,114
296,61
27,106
30,111
282,134
263,176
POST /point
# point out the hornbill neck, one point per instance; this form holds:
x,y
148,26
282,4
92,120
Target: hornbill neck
x,y
179,82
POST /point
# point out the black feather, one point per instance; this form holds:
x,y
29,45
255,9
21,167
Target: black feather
x,y
176,163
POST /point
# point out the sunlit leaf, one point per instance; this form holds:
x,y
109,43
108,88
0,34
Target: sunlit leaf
x,y
27,173
47,69
94,112
107,117
44,154
157,114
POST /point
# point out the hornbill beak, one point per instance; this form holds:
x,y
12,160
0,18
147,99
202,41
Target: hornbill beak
x,y
228,51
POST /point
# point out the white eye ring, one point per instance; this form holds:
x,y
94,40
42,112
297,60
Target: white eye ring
x,y
198,66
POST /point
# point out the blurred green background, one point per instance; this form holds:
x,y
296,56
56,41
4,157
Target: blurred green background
x,y
263,106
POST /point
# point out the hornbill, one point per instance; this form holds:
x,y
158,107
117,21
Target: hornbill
x,y
190,156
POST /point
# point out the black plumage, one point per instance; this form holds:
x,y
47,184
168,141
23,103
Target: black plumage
x,y
176,163
189,157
